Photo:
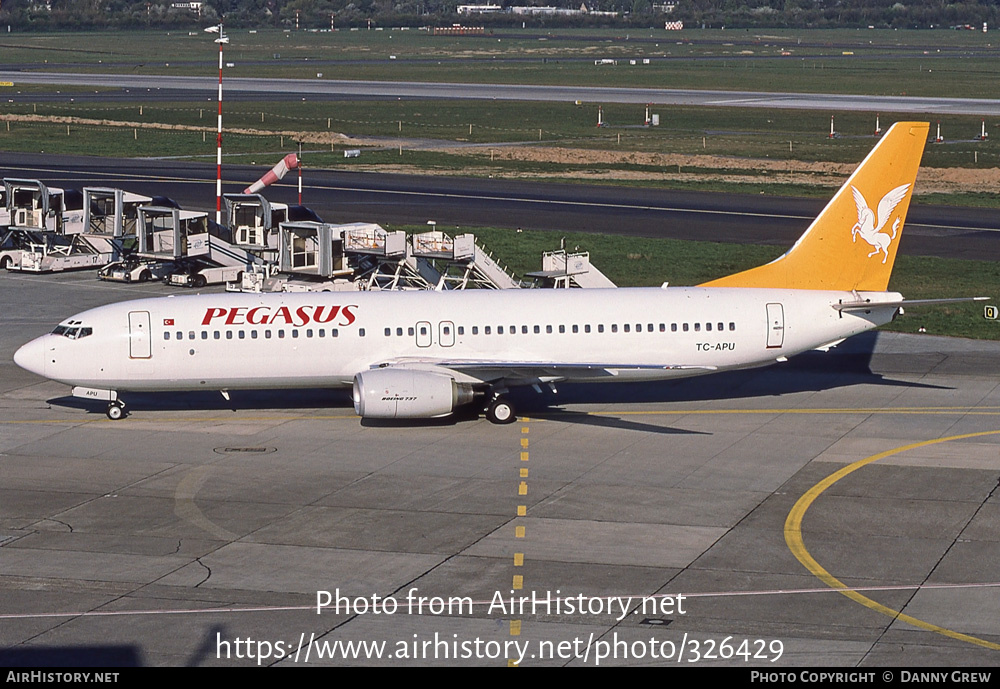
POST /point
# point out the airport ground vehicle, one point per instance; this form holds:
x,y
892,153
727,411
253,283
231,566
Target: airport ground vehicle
x,y
54,253
136,269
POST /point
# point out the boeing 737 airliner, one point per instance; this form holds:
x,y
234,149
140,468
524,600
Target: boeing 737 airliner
x,y
425,354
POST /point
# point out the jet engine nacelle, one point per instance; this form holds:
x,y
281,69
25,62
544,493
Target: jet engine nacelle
x,y
397,393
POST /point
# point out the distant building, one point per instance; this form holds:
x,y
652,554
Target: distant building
x,y
559,11
192,6
479,9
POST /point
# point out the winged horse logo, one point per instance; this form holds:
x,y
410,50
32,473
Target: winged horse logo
x,y
870,227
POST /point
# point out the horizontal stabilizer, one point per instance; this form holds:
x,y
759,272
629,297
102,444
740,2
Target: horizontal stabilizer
x,y
864,305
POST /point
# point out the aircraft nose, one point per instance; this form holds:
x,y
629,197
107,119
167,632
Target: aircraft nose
x,y
31,357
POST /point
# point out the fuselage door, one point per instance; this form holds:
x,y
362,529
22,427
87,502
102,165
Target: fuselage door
x,y
138,335
775,326
424,334
446,333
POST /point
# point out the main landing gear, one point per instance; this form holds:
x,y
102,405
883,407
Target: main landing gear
x,y
116,410
500,411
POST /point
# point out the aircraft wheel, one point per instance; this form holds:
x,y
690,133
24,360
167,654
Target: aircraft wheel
x,y
115,411
501,411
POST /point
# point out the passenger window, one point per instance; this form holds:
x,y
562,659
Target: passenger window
x,y
216,335
204,334
191,334
721,328
335,332
361,332
166,335
708,327
486,330
548,329
663,327
281,334
242,335
179,335
229,334
576,329
686,328
614,327
538,330
649,328
475,330
409,331
673,327
562,329
388,332
499,330
322,332
295,334
461,330
267,334
697,327
628,327
309,332
586,328
600,327
253,334
399,332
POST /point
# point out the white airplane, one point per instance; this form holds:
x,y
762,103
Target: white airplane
x,y
420,355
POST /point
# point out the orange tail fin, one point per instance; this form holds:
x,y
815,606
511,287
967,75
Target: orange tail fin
x,y
852,244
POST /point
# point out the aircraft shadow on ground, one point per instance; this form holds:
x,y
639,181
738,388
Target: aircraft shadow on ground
x,y
809,372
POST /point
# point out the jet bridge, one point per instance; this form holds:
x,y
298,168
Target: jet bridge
x,y
254,221
33,205
202,249
562,270
164,232
113,212
314,249
461,262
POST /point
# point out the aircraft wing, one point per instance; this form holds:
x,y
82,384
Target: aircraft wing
x,y
528,372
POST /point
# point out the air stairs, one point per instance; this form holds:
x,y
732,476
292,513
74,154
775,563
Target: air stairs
x,y
561,269
461,262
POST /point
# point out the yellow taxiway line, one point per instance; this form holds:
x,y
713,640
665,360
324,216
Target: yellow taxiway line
x,y
793,537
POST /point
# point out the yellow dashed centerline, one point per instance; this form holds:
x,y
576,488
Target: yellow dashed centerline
x,y
517,583
793,537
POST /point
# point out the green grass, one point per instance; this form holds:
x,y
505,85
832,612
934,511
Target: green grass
x,y
645,262
774,134
883,62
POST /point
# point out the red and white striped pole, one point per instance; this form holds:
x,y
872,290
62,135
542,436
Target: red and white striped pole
x,y
222,39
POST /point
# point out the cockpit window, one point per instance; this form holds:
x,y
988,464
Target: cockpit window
x,y
72,332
